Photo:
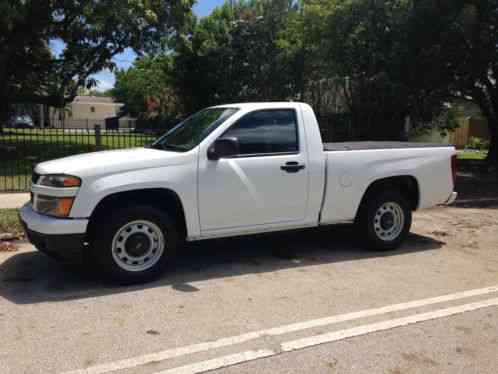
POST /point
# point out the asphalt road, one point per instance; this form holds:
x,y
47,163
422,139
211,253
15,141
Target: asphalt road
x,y
308,302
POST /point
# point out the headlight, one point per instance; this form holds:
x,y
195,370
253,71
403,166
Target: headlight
x,y
52,206
59,180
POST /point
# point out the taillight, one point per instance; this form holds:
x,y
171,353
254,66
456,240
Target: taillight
x,y
454,168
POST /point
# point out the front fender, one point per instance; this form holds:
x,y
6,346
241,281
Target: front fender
x,y
182,179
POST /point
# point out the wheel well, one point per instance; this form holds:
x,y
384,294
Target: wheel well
x,y
406,185
164,199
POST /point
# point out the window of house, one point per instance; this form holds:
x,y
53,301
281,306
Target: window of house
x,y
92,109
266,131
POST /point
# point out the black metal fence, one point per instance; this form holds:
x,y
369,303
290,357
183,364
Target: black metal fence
x,y
22,149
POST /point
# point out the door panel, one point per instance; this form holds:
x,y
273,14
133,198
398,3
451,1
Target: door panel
x,y
266,183
238,192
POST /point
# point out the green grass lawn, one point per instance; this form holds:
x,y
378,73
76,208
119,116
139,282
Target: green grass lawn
x,y
472,155
9,221
22,149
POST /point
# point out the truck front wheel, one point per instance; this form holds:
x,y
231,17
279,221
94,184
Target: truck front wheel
x,y
384,220
134,245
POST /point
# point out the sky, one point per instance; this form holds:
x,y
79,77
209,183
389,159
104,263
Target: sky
x,y
124,60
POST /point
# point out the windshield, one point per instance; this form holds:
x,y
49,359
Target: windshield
x,y
190,132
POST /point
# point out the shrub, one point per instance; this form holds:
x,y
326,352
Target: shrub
x,y
478,143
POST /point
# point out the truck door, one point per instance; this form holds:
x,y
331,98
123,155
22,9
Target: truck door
x,y
265,183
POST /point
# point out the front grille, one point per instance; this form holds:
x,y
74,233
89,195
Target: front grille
x,y
35,177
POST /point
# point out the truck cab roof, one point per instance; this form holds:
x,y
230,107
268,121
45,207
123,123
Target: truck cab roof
x,y
262,105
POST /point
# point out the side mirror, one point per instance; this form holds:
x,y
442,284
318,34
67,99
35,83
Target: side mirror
x,y
222,148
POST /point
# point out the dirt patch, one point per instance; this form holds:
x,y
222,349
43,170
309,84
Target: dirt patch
x,y
419,358
440,233
470,225
7,246
466,351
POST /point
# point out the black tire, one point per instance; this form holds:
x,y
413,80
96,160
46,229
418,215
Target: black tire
x,y
368,221
107,228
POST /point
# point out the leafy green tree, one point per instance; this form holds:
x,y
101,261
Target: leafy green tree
x,y
233,55
381,60
477,70
92,32
302,43
202,60
145,87
376,49
455,43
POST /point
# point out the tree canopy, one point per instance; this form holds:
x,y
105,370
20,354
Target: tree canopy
x,y
232,55
381,61
477,67
91,33
361,56
144,84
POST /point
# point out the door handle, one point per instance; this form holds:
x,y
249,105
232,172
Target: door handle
x,y
292,167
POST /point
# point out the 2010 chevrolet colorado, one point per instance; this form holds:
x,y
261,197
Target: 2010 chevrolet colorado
x,y
229,170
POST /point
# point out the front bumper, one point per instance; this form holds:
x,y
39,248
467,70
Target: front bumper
x,y
63,239
51,225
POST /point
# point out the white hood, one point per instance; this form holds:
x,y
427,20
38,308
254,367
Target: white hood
x,y
110,162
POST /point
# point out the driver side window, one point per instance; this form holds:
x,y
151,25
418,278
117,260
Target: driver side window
x,y
271,131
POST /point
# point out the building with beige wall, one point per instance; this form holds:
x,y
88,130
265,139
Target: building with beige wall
x,y
84,111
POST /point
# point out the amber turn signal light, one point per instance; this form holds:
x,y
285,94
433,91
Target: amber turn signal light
x,y
64,205
71,182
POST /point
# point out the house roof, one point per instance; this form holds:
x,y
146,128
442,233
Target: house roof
x,y
94,100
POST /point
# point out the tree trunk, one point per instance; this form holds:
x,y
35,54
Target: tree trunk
x,y
492,158
4,115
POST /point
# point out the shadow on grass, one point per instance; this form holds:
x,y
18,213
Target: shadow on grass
x,y
31,277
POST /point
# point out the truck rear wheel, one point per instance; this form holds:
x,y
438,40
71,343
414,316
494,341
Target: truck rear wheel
x,y
384,220
134,245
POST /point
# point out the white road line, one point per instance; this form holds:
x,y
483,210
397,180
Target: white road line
x,y
385,325
224,342
220,362
239,358
164,355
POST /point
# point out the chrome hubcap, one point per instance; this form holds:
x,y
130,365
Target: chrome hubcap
x,y
389,221
138,245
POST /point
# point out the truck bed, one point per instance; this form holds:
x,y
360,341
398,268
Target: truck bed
x,y
359,146
349,174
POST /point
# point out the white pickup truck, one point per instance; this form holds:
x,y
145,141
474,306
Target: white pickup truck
x,y
229,170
